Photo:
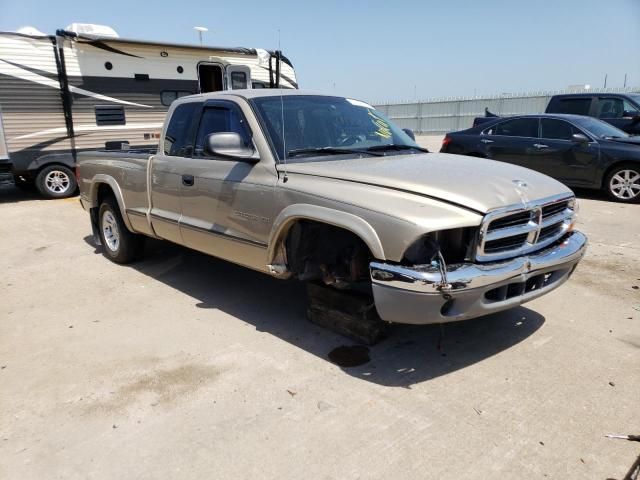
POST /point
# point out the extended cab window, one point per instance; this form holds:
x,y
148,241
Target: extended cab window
x,y
220,119
574,106
518,127
177,141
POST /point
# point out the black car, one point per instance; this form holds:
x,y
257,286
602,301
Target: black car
x,y
579,151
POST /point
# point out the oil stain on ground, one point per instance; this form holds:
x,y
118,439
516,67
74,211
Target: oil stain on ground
x,y
161,386
349,355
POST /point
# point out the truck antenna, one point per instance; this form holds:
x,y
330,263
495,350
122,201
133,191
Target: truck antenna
x,y
285,179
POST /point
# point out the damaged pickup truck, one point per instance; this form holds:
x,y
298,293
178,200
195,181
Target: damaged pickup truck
x,y
327,190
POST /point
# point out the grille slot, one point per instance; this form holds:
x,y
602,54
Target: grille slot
x,y
510,221
504,244
549,231
554,209
516,231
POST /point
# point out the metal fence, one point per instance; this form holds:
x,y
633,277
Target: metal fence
x,y
437,116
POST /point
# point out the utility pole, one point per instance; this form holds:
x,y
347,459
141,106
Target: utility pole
x,y
625,80
605,80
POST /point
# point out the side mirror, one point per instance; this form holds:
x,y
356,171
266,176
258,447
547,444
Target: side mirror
x,y
409,132
231,145
579,138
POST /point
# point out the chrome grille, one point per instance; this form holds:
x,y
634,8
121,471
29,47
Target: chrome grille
x,y
517,230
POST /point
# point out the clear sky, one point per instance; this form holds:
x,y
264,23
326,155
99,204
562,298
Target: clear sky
x,y
386,51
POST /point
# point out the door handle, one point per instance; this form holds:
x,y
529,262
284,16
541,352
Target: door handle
x,y
188,180
484,140
540,146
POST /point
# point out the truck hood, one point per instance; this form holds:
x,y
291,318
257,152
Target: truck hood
x,y
475,183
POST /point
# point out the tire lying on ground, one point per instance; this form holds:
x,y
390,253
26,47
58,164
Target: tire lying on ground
x,y
56,181
622,183
118,243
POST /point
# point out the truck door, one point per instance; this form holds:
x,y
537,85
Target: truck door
x,y
619,112
166,172
238,77
227,204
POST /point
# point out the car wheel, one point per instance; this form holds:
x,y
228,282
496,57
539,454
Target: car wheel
x,y
56,181
623,183
119,244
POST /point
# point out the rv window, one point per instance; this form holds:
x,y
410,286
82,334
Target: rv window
x,y
168,96
177,138
258,85
110,115
220,119
238,80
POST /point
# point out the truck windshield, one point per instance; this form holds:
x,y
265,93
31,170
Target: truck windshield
x,y
600,129
315,126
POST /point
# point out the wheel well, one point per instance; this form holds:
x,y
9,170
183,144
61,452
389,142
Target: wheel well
x,y
52,164
317,251
613,167
104,191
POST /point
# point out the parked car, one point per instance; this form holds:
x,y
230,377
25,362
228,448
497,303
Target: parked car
x,y
326,189
622,110
579,151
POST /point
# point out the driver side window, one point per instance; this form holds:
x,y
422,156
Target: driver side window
x,y
216,120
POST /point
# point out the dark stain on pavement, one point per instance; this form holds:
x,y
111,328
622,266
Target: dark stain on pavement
x,y
161,386
349,355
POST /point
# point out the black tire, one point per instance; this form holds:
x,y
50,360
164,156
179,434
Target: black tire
x,y
622,183
23,184
118,243
56,181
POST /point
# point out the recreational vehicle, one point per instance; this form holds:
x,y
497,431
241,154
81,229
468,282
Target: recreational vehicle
x,y
85,88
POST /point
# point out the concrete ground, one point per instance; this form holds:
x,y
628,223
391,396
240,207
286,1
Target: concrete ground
x,y
184,366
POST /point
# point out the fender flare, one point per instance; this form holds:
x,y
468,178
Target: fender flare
x,y
42,161
101,178
337,218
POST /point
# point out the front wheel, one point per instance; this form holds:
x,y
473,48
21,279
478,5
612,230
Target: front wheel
x,y
623,183
56,181
119,244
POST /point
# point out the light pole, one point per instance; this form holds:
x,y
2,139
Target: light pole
x,y
200,30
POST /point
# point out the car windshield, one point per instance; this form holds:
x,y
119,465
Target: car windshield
x,y
600,129
315,126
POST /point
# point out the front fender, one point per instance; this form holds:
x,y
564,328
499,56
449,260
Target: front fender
x,y
303,211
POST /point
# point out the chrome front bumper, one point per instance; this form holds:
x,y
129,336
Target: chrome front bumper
x,y
426,294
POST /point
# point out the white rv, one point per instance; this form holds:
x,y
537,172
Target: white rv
x,y
85,87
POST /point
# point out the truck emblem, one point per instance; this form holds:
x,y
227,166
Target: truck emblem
x,y
520,183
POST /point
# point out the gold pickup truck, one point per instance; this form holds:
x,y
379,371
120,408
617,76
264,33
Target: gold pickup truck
x,y
326,189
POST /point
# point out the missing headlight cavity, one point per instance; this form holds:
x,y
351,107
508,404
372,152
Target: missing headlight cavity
x,y
456,246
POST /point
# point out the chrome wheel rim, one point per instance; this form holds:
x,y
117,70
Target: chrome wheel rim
x,y
57,181
110,231
625,184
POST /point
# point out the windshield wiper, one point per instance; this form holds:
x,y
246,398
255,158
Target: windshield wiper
x,y
330,151
394,146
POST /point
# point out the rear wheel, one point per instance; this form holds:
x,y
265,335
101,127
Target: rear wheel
x,y
119,244
56,181
623,183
